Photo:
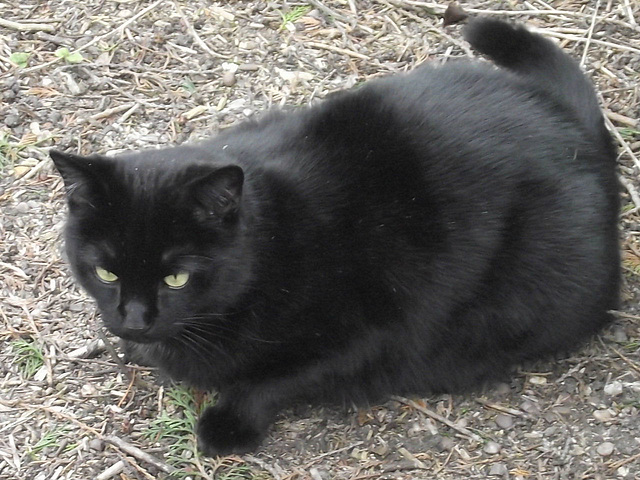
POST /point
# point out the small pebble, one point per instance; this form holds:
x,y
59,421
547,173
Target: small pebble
x,y
577,451
529,407
55,116
492,448
249,67
619,335
537,380
504,421
88,390
76,307
570,384
623,471
447,443
613,388
12,120
498,470
381,449
603,415
248,45
96,444
22,207
228,78
562,410
605,449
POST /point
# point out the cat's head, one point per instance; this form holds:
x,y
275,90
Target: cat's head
x,y
157,238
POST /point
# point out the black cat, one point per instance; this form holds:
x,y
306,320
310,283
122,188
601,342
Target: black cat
x,y
421,233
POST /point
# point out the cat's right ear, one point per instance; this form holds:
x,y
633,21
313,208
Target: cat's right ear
x,y
218,192
83,176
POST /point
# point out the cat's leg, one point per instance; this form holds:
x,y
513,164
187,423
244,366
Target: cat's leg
x,y
238,422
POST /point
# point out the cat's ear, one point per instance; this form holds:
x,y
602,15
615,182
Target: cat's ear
x,y
83,176
218,192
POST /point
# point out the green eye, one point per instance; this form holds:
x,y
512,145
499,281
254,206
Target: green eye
x,y
178,280
105,275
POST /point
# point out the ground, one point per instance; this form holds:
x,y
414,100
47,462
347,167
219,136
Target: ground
x,y
107,75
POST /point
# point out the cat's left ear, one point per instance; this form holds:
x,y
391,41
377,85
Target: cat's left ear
x,y
84,177
219,192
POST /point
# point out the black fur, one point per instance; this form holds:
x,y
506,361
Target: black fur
x,y
422,233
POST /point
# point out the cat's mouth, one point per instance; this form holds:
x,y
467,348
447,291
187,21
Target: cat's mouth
x,y
147,336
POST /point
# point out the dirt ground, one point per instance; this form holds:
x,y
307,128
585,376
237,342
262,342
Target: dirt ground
x,y
107,75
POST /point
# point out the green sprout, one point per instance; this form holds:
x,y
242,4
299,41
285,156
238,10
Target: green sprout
x,y
293,16
19,58
188,85
67,56
29,356
51,438
629,133
176,428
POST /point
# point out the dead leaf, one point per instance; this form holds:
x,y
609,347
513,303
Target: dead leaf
x,y
454,14
43,92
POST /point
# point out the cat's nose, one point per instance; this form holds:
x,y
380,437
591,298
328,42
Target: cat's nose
x,y
136,316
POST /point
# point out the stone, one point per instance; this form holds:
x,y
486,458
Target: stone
x,y
492,448
603,415
537,380
447,443
613,388
22,207
96,444
12,120
619,335
228,78
605,449
249,67
504,421
529,407
498,470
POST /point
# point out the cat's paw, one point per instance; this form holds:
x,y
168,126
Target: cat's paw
x,y
223,432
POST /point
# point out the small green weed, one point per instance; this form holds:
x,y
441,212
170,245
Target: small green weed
x,y
51,438
188,85
29,356
176,428
293,16
67,56
19,58
629,133
8,150
237,473
631,346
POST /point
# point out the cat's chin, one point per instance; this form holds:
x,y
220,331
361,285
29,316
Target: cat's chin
x,y
141,338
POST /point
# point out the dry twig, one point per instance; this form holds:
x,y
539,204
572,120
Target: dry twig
x,y
139,454
462,430
26,27
590,34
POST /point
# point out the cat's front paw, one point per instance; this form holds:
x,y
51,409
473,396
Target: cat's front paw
x,y
223,432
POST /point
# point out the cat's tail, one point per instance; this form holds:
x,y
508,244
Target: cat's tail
x,y
533,56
